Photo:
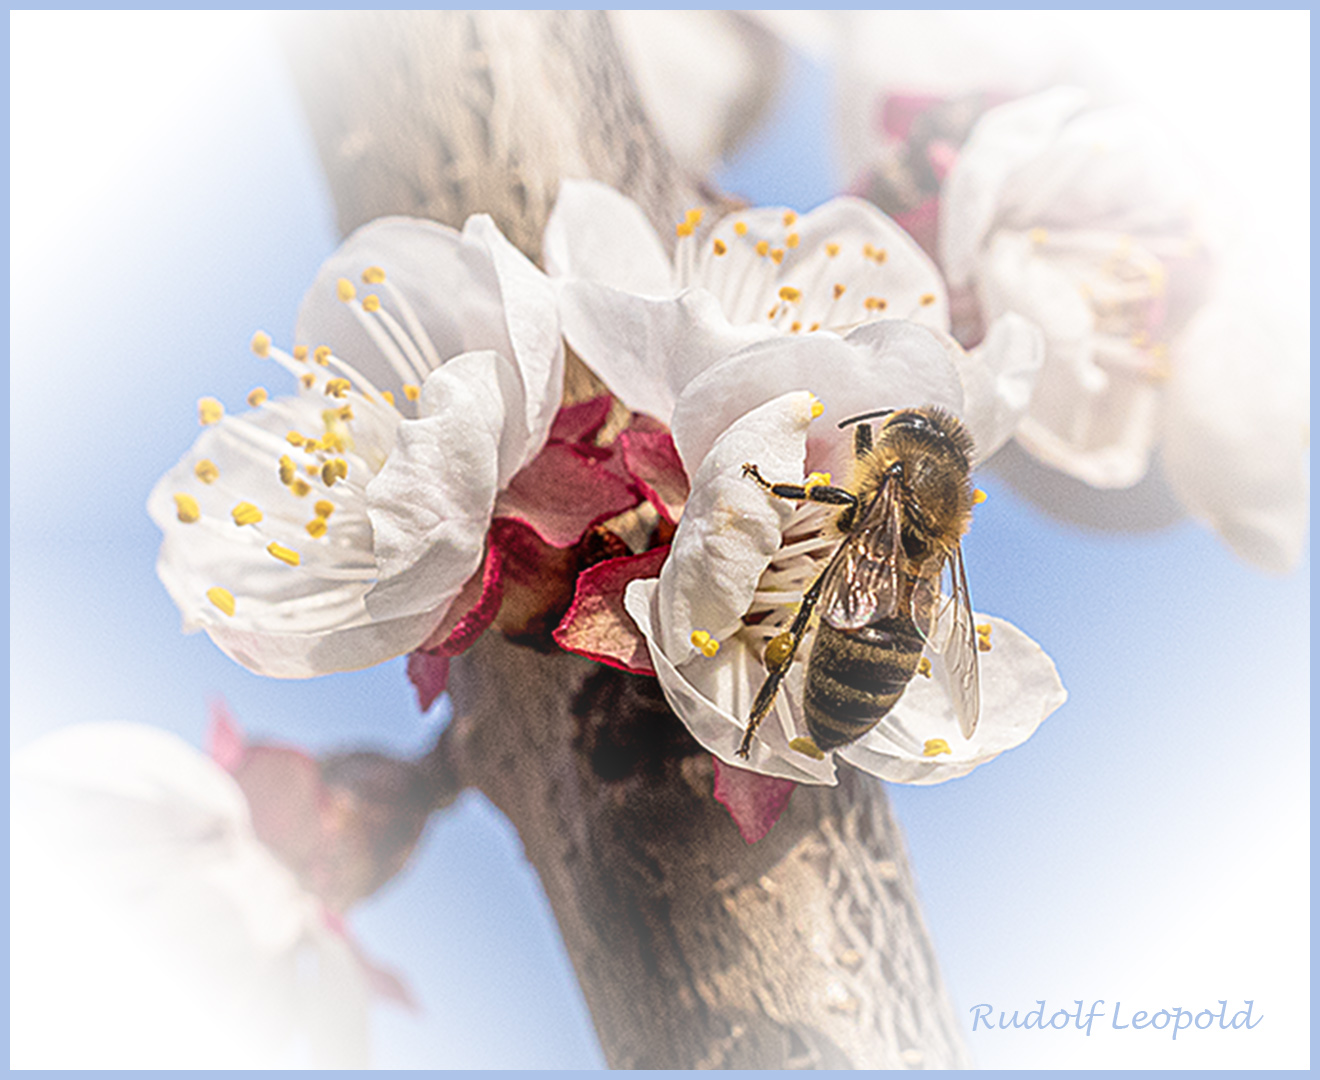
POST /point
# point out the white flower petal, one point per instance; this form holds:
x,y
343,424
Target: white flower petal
x,y
430,506
597,234
703,689
647,350
998,378
1020,687
730,528
884,364
1236,432
1003,141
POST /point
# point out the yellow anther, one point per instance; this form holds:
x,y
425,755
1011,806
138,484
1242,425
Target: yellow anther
x,y
777,650
880,255
778,255
792,240
300,352
288,470
740,228
261,344
795,328
221,598
345,413
720,246
209,411
373,275
322,355
978,497
839,290
831,250
683,229
371,303
789,218
868,249
246,514
984,628
324,508
307,381
805,744
344,289
695,215
923,666
293,438
1039,236
285,555
187,509
792,295
817,409
927,299
300,487
335,469
206,472
934,747
389,398
257,396
875,303
337,387
411,392
763,247
983,637
703,641
816,479
814,326
316,527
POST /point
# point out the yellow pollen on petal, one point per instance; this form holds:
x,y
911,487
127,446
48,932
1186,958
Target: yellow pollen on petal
x,y
831,250
792,295
389,398
1039,236
371,303
411,392
373,275
209,411
246,514
683,228
720,246
322,355
257,396
927,299
344,289
300,352
978,497
805,744
285,555
300,487
703,641
796,327
324,508
740,228
221,598
694,216
337,387
934,747
763,247
307,381
923,666
261,344
839,290
792,240
778,255
316,527
206,472
187,509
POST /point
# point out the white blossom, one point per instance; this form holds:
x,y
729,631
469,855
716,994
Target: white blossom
x,y
330,530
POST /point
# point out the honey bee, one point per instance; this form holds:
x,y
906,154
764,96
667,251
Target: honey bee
x,y
880,597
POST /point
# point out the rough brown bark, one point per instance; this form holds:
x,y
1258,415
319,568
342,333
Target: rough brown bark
x,y
693,948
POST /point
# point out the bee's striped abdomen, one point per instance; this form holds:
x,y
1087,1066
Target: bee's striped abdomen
x,y
855,677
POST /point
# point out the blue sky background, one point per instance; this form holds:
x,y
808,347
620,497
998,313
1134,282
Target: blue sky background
x,y
1150,844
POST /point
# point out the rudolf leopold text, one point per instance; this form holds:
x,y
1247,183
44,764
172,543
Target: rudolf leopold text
x,y
1173,1019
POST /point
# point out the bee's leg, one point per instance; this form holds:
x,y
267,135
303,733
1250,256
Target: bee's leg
x,y
779,660
821,493
862,440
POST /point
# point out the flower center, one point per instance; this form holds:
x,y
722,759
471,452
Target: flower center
x,y
809,540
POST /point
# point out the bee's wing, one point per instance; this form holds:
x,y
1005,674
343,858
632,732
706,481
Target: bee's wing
x,y
954,636
863,579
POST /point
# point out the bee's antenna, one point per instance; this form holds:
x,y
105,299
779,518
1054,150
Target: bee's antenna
x,y
865,416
